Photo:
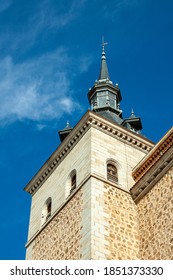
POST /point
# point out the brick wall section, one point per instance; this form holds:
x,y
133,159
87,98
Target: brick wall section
x,y
60,239
114,224
155,218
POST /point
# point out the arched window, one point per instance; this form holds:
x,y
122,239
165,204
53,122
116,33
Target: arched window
x,y
46,211
112,173
73,181
49,208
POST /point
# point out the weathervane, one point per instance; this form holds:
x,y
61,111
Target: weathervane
x,y
103,43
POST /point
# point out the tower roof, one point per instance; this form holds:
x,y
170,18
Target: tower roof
x,y
104,74
63,133
133,122
104,96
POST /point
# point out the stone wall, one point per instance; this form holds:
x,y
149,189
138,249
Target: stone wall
x,y
114,223
156,220
100,220
123,225
60,239
56,186
106,147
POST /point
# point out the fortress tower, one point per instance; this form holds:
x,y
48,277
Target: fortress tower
x,y
85,201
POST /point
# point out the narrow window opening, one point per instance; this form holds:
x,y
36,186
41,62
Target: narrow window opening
x,y
49,207
46,211
73,182
112,173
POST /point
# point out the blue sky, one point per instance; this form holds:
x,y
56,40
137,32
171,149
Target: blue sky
x,y
50,52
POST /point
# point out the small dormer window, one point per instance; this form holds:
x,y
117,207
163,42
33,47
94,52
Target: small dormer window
x,y
112,173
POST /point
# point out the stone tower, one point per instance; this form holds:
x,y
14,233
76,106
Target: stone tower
x,y
82,207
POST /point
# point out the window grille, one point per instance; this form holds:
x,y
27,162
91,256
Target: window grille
x,y
112,174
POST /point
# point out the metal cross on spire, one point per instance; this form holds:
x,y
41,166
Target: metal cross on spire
x,y
103,48
104,75
103,43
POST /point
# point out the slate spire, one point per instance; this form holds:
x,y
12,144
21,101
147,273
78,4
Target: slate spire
x,y
104,96
104,74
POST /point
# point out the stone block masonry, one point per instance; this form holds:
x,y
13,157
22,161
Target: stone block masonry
x,y
99,219
96,223
60,239
114,224
155,220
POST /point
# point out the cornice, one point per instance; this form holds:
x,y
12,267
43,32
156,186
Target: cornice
x,y
156,153
150,178
56,158
90,119
121,133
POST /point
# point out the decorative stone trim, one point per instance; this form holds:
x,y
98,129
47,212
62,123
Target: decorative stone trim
x,y
160,149
90,119
156,172
120,133
55,159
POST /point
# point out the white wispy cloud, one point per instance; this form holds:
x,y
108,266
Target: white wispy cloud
x,y
84,63
37,90
5,4
45,18
111,11
48,16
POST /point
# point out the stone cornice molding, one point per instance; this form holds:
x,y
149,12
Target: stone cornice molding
x,y
121,133
90,119
155,154
150,179
60,153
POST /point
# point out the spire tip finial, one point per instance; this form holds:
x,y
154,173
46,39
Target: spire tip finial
x,y
67,124
104,75
103,45
132,114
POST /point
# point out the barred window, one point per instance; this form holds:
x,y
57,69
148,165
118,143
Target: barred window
x,y
112,173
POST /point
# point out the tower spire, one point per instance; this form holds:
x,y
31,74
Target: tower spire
x,y
104,74
104,96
